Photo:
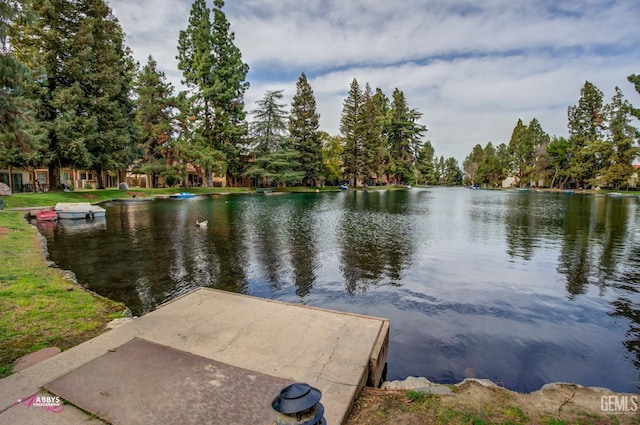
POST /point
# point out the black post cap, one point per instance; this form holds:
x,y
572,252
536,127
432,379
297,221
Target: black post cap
x,y
296,398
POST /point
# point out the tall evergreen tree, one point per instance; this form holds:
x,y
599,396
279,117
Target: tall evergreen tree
x,y
440,169
426,165
84,89
489,165
452,175
268,130
623,138
635,80
274,159
107,88
539,140
351,127
304,123
213,70
503,161
494,164
521,151
375,111
155,112
404,138
559,153
281,167
586,126
19,132
378,145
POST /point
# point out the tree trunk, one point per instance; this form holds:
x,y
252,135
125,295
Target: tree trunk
x,y
54,176
99,178
209,175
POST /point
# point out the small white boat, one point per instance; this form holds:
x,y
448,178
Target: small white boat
x,y
78,210
202,223
344,187
182,195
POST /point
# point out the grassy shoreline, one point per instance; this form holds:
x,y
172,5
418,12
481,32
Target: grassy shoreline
x,y
40,307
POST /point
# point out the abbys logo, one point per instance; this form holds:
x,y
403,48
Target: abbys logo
x,y
49,403
619,403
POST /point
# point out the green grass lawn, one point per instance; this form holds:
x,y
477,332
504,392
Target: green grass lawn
x,y
40,308
23,200
26,200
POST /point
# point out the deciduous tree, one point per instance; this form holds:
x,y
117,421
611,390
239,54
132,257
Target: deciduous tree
x,y
471,164
332,149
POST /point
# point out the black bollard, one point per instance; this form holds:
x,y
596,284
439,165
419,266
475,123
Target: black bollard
x,y
299,404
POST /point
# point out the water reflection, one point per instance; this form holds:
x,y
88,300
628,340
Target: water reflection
x,y
375,235
521,288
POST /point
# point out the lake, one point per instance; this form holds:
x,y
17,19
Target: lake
x,y
520,288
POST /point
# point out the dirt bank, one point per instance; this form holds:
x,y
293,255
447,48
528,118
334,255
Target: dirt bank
x,y
481,402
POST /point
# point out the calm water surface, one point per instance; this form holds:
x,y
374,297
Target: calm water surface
x,y
520,288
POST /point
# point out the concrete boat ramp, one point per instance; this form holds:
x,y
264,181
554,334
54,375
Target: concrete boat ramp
x,y
207,357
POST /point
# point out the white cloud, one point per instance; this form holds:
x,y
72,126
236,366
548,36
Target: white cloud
x,y
473,68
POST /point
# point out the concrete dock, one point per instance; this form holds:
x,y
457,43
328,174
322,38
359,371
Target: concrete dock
x,y
207,357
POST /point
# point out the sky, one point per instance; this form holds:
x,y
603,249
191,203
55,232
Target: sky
x,y
471,67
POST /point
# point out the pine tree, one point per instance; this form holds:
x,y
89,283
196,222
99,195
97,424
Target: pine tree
x,y
213,70
19,132
452,172
281,167
273,158
586,126
440,169
521,151
268,130
375,109
426,165
351,127
559,153
378,144
155,113
539,140
404,138
493,166
107,70
635,80
622,138
304,124
83,88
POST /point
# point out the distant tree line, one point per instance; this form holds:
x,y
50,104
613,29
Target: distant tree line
x,y
72,96
599,151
